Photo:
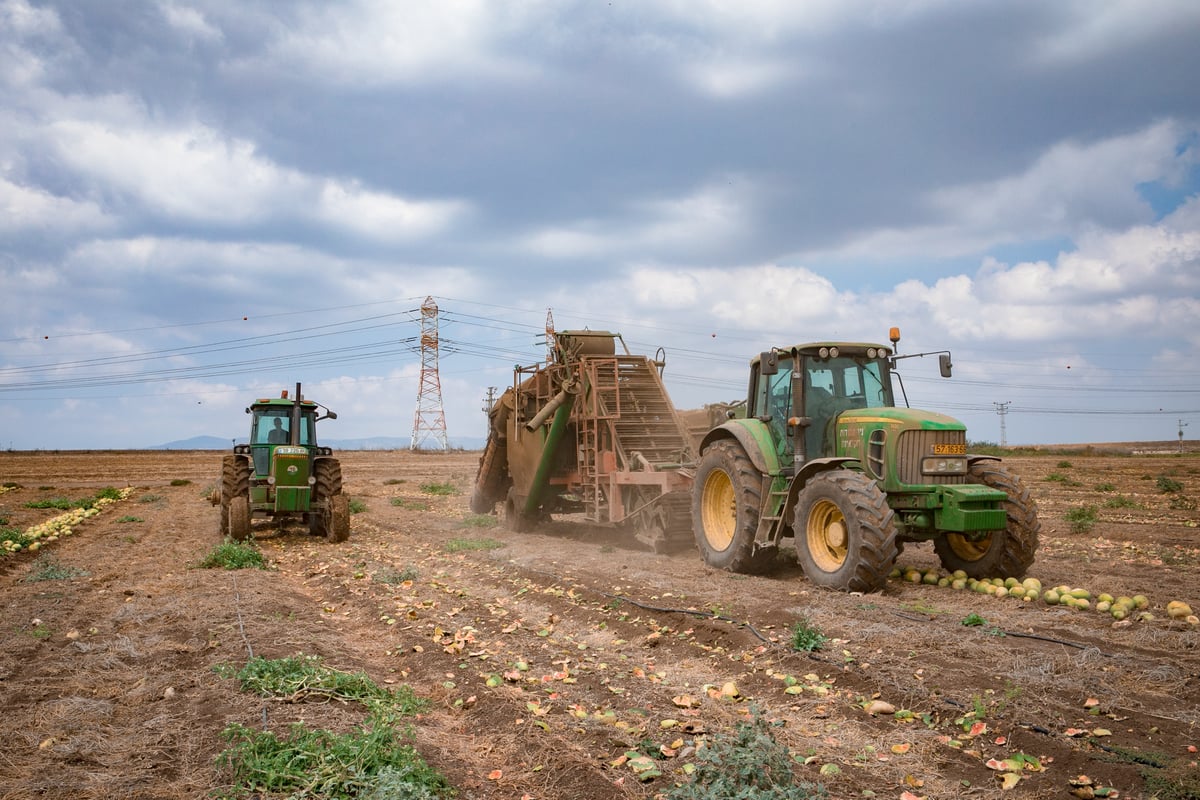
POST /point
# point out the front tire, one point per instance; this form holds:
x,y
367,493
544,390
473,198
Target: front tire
x,y
1000,554
339,518
726,503
235,482
845,532
239,518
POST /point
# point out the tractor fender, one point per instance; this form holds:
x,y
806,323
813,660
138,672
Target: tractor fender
x,y
971,459
755,439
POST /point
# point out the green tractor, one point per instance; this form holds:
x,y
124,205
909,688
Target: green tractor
x,y
822,454
282,473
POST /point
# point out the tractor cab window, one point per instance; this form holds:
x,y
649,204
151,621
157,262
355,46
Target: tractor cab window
x,y
839,384
273,426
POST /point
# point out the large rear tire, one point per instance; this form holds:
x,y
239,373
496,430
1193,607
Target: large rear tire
x,y
327,484
726,503
845,532
1001,554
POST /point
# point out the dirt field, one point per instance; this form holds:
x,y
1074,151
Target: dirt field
x,y
108,688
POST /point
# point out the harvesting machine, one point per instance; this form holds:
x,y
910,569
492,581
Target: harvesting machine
x,y
283,473
593,432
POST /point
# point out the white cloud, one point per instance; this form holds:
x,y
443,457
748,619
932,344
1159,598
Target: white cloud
x,y
23,208
197,174
21,23
736,78
1067,191
378,215
378,42
190,22
716,214
1090,29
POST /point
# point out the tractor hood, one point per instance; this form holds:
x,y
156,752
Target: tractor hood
x,y
906,418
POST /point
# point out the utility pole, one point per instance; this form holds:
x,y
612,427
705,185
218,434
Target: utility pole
x,y
488,402
1002,410
1182,425
429,419
549,337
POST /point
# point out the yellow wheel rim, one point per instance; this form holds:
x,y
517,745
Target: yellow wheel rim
x,y
718,510
969,550
827,536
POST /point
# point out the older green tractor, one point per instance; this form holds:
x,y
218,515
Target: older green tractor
x,y
282,473
823,456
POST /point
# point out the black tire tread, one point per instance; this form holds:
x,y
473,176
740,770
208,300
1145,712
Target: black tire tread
x,y
865,507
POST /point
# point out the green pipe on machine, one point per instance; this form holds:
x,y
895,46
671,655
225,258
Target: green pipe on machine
x,y
542,476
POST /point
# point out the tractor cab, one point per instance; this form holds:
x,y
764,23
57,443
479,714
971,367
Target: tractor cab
x,y
800,391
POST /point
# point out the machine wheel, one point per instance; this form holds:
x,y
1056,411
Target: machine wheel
x,y
514,515
327,473
725,510
1000,554
239,518
338,529
844,531
235,482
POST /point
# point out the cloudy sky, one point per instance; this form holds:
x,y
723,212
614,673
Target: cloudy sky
x,y
203,202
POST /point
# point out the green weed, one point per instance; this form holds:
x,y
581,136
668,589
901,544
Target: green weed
x,y
460,545
1105,487
748,763
150,498
1063,465
439,488
1168,485
357,506
233,555
1121,501
806,637
394,481
130,518
301,677
1082,518
480,521
374,761
414,505
180,482
47,568
973,620
392,576
60,503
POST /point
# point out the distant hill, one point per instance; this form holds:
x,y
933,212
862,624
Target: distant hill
x,y
369,443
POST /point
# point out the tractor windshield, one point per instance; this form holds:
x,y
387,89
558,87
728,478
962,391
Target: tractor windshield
x,y
273,426
839,384
849,382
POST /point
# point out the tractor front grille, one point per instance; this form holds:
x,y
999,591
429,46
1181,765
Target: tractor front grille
x,y
916,445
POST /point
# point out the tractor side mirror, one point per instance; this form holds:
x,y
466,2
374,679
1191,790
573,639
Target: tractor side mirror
x,y
944,365
768,363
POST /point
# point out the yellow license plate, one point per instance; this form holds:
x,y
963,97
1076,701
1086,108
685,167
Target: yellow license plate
x,y
949,449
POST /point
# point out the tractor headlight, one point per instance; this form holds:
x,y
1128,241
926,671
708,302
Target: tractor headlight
x,y
944,466
312,480
271,479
